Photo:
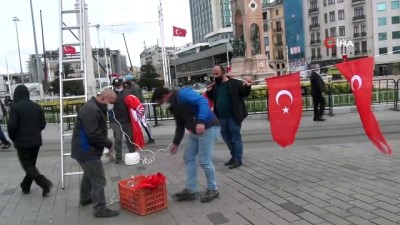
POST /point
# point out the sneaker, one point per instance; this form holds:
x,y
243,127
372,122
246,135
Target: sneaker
x,y
5,146
85,202
106,212
151,141
209,196
229,162
235,164
184,195
47,189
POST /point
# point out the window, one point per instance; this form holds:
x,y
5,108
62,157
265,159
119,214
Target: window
x,y
364,46
363,28
312,37
395,4
382,6
313,5
319,52
356,29
266,40
382,51
326,17
314,20
333,31
313,53
396,49
326,33
332,16
327,51
382,21
317,35
396,35
341,14
359,11
342,31
395,19
277,12
264,15
382,36
339,1
330,2
357,47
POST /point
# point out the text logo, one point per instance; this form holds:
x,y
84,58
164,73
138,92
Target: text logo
x,y
330,42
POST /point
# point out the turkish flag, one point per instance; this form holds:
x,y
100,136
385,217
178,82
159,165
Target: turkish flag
x,y
136,111
285,107
69,50
360,75
179,32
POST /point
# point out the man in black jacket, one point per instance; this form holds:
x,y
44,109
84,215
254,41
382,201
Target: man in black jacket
x,y
25,127
228,96
317,90
89,139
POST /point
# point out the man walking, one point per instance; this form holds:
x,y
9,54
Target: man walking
x,y
120,120
25,127
317,90
191,111
89,139
228,96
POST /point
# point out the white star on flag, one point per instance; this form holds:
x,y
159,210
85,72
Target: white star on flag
x,y
285,110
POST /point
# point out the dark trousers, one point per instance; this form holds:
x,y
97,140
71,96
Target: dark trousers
x,y
319,106
230,132
27,158
93,184
119,134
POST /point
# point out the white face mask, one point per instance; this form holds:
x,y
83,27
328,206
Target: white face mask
x,y
110,106
166,105
119,89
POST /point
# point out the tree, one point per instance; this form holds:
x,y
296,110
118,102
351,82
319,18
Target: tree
x,y
149,76
69,87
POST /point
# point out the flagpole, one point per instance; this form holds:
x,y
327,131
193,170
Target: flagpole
x,y
161,21
173,44
9,81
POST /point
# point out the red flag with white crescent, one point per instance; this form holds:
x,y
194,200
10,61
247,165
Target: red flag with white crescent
x,y
179,32
285,107
360,74
136,110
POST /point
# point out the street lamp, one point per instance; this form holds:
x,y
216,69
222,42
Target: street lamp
x,y
15,19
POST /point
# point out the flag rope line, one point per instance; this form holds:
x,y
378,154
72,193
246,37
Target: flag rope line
x,y
325,67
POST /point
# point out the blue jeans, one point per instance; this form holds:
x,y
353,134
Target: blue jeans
x,y
203,146
3,137
230,132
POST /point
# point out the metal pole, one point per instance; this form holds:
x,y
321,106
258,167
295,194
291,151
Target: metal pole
x,y
287,60
15,19
60,69
44,49
98,62
164,62
105,55
176,76
9,81
127,51
38,63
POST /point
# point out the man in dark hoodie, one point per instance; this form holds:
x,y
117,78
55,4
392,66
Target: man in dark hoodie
x,y
89,139
25,127
191,111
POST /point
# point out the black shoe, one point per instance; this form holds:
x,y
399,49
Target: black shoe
x,y
106,213
235,164
6,145
85,202
319,119
151,141
24,190
184,195
209,196
229,162
47,189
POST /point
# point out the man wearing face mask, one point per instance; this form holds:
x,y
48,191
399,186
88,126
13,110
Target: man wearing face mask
x,y
317,93
89,139
228,96
120,120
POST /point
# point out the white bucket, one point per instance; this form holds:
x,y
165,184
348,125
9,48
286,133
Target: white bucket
x,y
132,158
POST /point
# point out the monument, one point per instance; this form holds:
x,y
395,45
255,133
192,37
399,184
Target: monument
x,y
248,45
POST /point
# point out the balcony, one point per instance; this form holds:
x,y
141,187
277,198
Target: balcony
x,y
313,10
316,57
355,2
277,30
360,35
359,17
314,26
363,52
279,58
314,42
278,44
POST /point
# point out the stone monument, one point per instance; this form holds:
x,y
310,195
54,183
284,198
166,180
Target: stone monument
x,y
248,45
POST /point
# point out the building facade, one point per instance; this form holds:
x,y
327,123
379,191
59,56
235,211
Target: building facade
x,y
275,36
153,55
386,25
346,24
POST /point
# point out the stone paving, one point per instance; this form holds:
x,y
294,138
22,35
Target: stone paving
x,y
307,183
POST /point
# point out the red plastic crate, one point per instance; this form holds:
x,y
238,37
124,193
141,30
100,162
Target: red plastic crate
x,y
142,201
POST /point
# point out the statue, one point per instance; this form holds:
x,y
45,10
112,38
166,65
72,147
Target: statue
x,y
238,47
255,39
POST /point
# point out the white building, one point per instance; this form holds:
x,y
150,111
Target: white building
x,y
349,21
153,55
386,23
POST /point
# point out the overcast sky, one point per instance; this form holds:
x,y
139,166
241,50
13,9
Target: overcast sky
x,y
141,18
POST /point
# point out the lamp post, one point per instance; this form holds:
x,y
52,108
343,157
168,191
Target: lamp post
x,y
15,19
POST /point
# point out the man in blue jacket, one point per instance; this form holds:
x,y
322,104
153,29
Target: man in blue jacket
x,y
191,111
89,139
